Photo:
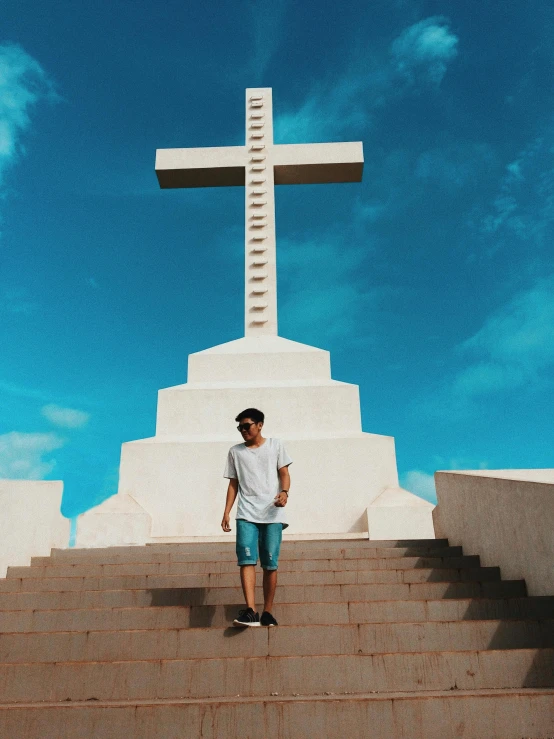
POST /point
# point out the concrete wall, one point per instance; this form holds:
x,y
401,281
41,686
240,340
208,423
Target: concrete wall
x,y
505,516
31,523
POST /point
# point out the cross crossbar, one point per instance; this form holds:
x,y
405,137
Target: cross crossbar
x,y
294,164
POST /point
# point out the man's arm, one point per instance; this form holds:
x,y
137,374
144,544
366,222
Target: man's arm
x,y
284,485
232,491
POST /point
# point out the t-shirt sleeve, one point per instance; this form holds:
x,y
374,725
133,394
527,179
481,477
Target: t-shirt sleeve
x,y
283,459
230,469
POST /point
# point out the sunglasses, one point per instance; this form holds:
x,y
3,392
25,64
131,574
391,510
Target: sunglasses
x,y
245,426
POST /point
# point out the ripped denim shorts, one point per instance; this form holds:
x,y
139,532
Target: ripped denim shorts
x,y
265,537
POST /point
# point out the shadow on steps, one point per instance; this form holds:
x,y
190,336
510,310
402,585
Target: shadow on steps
x,y
201,615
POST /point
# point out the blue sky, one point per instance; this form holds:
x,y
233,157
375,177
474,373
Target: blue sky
x,y
431,283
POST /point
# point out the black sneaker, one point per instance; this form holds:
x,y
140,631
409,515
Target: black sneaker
x,y
267,619
247,618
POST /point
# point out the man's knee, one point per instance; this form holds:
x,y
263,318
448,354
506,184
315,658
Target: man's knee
x,y
269,559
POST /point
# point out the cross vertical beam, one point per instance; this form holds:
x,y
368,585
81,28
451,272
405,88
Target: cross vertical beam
x,y
258,166
259,232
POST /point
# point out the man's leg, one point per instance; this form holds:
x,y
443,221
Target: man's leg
x,y
247,556
270,585
270,546
248,582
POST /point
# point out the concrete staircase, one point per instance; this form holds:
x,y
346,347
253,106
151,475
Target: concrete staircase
x,y
384,639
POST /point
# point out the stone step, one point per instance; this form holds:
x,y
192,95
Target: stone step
x,y
145,554
175,617
227,580
315,543
285,641
490,714
51,568
262,676
465,609
287,594
229,545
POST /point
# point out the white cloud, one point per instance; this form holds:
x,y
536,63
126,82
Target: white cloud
x,y
23,83
349,100
423,51
22,455
65,417
420,483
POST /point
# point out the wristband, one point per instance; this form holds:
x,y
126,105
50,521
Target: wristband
x,y
285,491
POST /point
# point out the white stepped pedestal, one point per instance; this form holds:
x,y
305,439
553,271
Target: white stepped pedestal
x,y
175,477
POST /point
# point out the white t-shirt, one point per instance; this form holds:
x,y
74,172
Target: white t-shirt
x,y
256,469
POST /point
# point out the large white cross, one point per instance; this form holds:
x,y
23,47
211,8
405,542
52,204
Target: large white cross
x,y
259,166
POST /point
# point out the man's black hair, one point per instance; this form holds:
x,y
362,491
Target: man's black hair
x,y
253,413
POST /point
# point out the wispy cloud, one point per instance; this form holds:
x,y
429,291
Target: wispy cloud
x,y
524,204
17,301
266,14
23,82
25,456
422,483
69,418
514,346
418,57
455,164
20,391
324,292
43,395
423,51
513,350
328,110
460,462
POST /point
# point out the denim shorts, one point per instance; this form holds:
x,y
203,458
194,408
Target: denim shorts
x,y
263,536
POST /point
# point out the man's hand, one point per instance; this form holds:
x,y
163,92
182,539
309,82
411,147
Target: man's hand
x,y
281,500
232,491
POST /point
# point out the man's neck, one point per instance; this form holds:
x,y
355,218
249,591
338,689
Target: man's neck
x,y
258,441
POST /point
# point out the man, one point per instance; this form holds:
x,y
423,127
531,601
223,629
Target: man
x,y
258,473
